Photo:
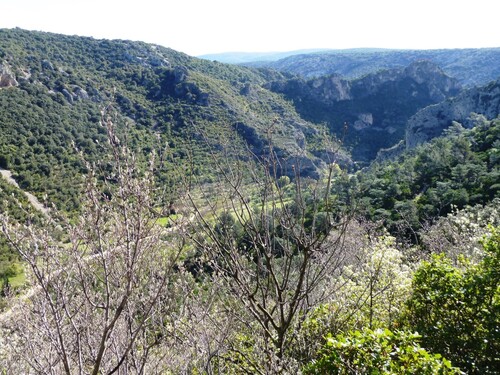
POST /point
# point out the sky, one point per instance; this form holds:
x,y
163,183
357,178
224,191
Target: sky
x,y
199,27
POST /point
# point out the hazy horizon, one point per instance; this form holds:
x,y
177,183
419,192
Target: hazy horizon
x,y
198,27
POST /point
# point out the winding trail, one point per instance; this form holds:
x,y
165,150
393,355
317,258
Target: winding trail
x,y
7,175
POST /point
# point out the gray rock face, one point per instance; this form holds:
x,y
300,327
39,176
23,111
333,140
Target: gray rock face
x,y
331,89
423,73
430,122
440,85
375,108
291,165
391,152
67,95
75,93
364,120
7,78
176,83
181,74
372,83
80,93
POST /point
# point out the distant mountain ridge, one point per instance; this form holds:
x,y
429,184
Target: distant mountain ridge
x,y
246,57
470,66
260,57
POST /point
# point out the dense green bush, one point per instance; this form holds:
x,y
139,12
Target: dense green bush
x,y
457,309
378,352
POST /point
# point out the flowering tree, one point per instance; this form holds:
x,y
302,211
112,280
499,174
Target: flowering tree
x,y
103,289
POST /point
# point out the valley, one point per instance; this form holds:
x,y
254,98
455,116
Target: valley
x,y
315,213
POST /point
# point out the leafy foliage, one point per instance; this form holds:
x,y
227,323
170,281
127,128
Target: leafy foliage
x,y
378,352
457,309
16,203
369,293
461,232
379,284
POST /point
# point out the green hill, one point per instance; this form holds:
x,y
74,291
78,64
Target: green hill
x,y
207,220
53,88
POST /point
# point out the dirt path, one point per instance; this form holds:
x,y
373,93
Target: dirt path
x,y
7,175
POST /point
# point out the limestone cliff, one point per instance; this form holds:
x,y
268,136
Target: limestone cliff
x,y
369,113
431,121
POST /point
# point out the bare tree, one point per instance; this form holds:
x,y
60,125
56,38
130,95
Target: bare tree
x,y
272,248
104,290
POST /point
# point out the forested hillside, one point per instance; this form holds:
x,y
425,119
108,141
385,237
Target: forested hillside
x,y
193,217
54,88
461,168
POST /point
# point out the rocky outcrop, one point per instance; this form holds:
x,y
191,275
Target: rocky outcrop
x,y
147,56
427,78
67,95
75,93
439,84
364,120
180,74
372,84
291,152
430,122
47,65
330,89
7,77
80,93
369,113
391,152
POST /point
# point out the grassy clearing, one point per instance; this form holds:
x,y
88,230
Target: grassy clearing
x,y
18,280
166,221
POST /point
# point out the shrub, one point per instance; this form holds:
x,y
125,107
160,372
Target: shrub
x,y
457,309
378,352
